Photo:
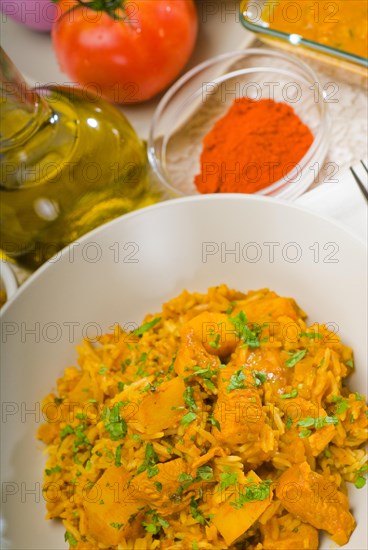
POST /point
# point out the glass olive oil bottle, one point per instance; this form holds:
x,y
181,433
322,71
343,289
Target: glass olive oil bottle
x,y
69,162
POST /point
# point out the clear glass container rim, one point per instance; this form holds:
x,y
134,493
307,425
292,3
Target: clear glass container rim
x,y
304,71
311,44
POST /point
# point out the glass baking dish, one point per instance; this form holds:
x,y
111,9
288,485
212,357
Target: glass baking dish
x,y
260,16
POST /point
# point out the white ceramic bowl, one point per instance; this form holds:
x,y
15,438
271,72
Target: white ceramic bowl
x,y
131,266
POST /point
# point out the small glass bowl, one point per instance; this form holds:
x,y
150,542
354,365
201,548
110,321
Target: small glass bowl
x,y
190,108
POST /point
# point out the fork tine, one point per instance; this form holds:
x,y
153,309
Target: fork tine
x,y
360,183
364,166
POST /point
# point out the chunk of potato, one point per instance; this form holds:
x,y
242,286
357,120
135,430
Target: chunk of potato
x,y
192,354
240,416
215,332
109,505
161,491
316,500
231,522
159,410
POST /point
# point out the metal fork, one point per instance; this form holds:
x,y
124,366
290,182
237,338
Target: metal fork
x,y
363,186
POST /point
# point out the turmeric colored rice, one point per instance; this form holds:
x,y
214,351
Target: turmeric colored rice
x,y
223,422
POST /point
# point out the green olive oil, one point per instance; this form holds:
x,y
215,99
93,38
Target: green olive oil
x,y
69,163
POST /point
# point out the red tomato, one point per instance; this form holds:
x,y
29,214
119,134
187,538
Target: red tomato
x,y
126,60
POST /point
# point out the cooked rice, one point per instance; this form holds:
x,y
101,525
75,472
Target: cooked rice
x,y
111,417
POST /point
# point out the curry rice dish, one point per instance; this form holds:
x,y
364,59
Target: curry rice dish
x,y
222,422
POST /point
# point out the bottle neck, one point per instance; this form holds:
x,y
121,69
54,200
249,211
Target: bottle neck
x,y
22,110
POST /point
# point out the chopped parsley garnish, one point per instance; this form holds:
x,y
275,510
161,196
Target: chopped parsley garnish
x,y
118,456
289,423
156,524
209,384
341,404
227,479
215,343
230,308
117,525
214,422
205,473
185,480
153,471
141,364
158,486
146,326
81,439
121,386
188,418
295,358
242,330
195,545
185,477
236,381
102,370
189,399
55,470
305,433
253,493
171,367
312,335
66,431
323,420
125,364
206,373
259,377
69,537
317,423
150,460
115,424
360,480
196,513
350,363
149,387
307,422
358,396
290,395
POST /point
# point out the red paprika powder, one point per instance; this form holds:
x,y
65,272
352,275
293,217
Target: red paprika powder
x,y
254,145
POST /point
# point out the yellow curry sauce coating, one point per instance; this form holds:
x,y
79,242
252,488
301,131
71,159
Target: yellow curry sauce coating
x,y
341,24
189,432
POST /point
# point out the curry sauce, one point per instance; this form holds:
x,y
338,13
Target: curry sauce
x,y
339,24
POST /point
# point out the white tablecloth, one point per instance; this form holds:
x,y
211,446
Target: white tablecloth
x,y
342,201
